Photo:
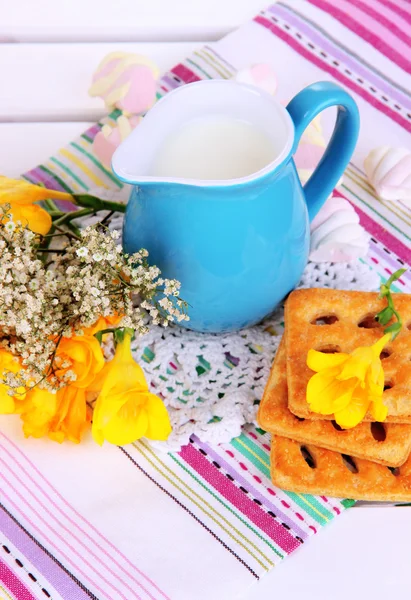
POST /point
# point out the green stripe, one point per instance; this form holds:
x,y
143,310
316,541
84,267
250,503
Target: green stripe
x,y
364,185
234,512
209,53
115,114
261,465
98,164
299,500
88,139
261,462
57,178
376,212
198,67
69,172
213,66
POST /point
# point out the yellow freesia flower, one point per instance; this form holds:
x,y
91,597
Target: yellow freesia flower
x,y
9,403
21,196
81,354
60,416
125,410
39,408
348,385
71,418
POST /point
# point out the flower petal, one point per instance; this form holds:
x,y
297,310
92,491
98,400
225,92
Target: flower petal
x,y
357,365
325,395
17,191
159,427
7,404
121,431
317,361
378,410
354,412
32,216
378,347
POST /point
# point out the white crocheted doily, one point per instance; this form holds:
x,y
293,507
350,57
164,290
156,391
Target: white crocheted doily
x,y
212,384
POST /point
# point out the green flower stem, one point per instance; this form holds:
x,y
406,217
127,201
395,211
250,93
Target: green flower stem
x,y
98,204
51,206
67,217
385,315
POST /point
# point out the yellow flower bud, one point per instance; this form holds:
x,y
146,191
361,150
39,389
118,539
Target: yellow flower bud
x,y
125,409
21,196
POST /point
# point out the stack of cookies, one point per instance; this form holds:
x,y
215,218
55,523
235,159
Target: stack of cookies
x,y
310,453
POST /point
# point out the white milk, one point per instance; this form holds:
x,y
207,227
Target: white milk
x,y
214,147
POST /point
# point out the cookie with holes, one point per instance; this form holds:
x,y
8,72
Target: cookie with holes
x,y
312,470
340,321
385,443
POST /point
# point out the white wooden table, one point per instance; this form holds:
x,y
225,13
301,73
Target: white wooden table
x,y
48,51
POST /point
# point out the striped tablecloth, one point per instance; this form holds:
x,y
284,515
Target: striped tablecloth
x,y
130,523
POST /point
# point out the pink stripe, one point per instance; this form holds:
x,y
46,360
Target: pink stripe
x,y
332,71
13,583
393,48
382,16
82,531
81,557
404,12
381,234
245,505
78,515
185,73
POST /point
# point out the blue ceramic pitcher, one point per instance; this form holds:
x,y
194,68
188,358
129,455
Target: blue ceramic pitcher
x,y
238,246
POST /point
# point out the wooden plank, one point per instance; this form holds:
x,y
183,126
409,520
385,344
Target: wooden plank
x,y
25,145
124,20
49,82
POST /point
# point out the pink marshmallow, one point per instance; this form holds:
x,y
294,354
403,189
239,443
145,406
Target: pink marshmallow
x,y
126,82
107,141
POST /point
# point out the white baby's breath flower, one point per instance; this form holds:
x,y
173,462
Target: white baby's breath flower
x,y
40,303
10,227
82,252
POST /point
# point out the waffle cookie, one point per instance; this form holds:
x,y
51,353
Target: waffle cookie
x,y
313,470
387,444
331,320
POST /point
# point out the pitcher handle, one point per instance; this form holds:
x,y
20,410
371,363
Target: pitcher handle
x,y
303,108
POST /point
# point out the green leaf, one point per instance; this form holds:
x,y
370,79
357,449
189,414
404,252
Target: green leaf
x,y
385,315
99,336
395,327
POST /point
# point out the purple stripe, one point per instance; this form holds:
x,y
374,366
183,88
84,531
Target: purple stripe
x,y
334,50
379,232
58,578
92,131
342,14
377,248
170,82
315,60
247,485
241,501
42,177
